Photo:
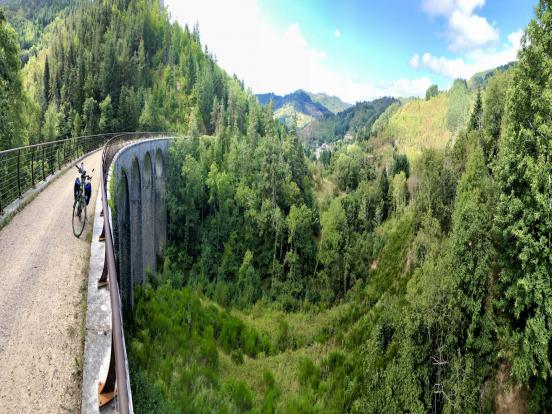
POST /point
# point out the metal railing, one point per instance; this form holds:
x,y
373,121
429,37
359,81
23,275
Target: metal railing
x,y
23,168
117,380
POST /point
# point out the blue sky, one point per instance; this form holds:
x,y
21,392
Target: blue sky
x,y
356,49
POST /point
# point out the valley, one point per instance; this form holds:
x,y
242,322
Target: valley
x,y
322,257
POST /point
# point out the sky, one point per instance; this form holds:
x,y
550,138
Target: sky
x,y
356,49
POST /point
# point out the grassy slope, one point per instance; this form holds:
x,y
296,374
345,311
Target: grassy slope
x,y
419,124
287,112
333,103
338,328
305,328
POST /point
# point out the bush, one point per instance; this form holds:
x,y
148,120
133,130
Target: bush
x,y
282,340
175,342
240,394
309,374
237,357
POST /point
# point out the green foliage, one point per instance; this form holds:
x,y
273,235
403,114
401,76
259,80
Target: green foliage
x,y
476,117
333,103
50,129
458,105
432,91
106,116
382,122
12,100
399,193
436,291
356,121
249,282
120,66
494,105
174,352
415,125
435,187
400,164
351,167
524,217
90,116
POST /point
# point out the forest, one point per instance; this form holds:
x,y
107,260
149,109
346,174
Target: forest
x,y
376,279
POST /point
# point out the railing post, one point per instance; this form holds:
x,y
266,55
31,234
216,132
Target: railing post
x,y
43,171
32,167
106,390
102,281
18,173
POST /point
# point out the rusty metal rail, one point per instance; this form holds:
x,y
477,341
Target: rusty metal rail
x,y
23,168
117,382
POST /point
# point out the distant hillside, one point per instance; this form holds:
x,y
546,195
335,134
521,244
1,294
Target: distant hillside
x,y
304,105
333,103
355,121
30,17
416,125
482,78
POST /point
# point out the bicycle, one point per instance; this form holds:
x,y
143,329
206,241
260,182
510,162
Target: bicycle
x,y
79,216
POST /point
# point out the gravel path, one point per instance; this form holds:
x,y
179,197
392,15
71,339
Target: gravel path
x,y
42,271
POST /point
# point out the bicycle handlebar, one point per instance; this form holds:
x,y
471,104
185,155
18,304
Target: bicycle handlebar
x,y
83,172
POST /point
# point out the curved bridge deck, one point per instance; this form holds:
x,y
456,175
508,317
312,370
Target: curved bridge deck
x,y
43,270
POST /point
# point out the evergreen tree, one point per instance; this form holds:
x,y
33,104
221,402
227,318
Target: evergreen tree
x,y
77,126
494,104
46,82
524,218
476,118
432,91
458,105
11,88
90,116
106,116
50,129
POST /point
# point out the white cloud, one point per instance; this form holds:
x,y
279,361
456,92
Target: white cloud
x,y
447,7
465,29
246,44
337,33
475,61
414,61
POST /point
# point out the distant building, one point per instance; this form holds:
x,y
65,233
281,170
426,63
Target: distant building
x,y
322,148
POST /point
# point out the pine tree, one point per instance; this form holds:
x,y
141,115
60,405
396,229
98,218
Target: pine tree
x,y
11,88
106,115
46,82
524,218
476,118
50,129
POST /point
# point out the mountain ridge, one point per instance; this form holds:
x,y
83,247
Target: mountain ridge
x,y
301,105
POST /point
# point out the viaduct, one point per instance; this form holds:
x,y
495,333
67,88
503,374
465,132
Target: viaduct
x,y
137,179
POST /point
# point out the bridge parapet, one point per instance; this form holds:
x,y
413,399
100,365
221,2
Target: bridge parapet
x,y
136,194
133,178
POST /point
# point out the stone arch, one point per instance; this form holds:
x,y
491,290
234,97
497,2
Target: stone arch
x,y
136,256
148,215
160,202
123,241
159,164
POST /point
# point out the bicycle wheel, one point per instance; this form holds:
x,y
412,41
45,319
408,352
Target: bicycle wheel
x,y
79,216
